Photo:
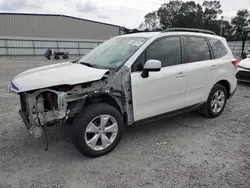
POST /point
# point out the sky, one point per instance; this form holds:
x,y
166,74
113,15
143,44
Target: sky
x,y
128,13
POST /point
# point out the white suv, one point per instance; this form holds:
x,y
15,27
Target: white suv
x,y
127,79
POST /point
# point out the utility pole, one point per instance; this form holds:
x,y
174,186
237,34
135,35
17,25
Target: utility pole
x,y
221,26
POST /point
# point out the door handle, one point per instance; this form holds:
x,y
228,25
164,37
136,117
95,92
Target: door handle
x,y
213,67
180,75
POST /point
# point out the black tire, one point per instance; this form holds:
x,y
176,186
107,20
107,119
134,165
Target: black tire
x,y
207,108
81,122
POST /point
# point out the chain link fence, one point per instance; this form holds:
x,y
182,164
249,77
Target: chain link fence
x,y
28,46
20,46
236,47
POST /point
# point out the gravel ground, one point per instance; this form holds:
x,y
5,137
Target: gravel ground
x,y
184,151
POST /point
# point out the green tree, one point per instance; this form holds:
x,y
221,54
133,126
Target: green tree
x,y
239,21
151,20
211,10
124,30
168,13
189,16
227,30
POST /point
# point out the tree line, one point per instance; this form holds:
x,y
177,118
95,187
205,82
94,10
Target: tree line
x,y
190,14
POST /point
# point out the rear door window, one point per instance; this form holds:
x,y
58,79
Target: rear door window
x,y
196,49
218,48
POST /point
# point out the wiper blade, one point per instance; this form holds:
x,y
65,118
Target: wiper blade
x,y
75,60
89,65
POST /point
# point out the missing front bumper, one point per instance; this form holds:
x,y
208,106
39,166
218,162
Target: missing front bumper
x,y
35,131
39,112
25,119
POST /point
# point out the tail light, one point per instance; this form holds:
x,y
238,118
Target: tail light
x,y
235,62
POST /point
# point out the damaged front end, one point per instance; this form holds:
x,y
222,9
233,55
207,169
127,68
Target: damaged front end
x,y
41,109
53,106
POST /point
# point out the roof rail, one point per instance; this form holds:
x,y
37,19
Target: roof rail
x,y
189,30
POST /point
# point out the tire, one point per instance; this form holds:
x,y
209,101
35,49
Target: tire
x,y
83,131
209,109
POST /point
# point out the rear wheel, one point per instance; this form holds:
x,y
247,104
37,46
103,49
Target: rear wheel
x,y
216,101
98,129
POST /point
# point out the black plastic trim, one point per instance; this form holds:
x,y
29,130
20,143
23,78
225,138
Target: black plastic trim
x,y
212,56
232,94
189,30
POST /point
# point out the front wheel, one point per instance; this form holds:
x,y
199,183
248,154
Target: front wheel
x,y
216,101
97,129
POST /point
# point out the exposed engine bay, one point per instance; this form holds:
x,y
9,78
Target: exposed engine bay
x,y
53,106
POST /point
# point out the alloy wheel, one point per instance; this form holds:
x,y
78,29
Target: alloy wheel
x,y
218,101
101,132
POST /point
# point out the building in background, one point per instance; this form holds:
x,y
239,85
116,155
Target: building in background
x,y
32,34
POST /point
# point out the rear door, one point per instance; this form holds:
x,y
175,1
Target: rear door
x,y
201,69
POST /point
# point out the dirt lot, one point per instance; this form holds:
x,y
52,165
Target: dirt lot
x,y
185,151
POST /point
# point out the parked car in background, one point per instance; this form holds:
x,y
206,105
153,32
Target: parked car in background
x,y
243,73
128,79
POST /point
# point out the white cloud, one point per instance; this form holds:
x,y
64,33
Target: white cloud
x,y
129,13
14,5
88,6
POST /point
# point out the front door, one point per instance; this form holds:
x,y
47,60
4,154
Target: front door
x,y
162,91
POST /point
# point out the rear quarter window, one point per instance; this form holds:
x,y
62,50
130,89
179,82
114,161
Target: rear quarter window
x,y
218,48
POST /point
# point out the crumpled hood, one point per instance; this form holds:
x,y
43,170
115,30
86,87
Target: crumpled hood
x,y
58,74
245,63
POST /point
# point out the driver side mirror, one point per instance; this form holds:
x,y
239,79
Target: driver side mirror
x,y
151,65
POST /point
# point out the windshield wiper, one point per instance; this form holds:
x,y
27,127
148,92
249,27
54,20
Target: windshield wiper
x,y
89,65
75,60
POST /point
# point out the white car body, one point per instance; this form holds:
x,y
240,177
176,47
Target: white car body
x,y
57,74
244,63
151,97
243,68
170,89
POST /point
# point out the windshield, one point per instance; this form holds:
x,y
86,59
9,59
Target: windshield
x,y
113,53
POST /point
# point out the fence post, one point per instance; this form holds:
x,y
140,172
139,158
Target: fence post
x,y
79,51
33,46
57,45
6,47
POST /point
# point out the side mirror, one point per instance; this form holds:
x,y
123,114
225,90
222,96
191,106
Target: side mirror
x,y
151,65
